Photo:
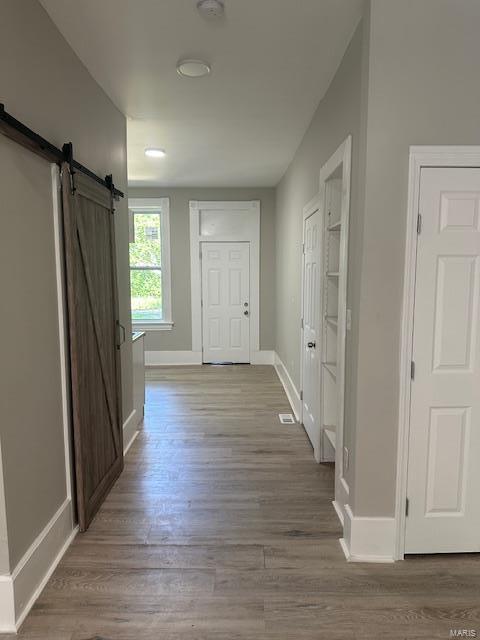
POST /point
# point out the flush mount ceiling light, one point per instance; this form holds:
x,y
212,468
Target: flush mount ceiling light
x,y
193,68
211,8
152,152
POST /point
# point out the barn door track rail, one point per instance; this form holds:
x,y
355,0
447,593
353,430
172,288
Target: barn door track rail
x,y
19,132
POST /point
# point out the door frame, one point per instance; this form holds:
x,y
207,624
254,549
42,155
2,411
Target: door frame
x,y
342,157
63,331
309,209
250,232
419,157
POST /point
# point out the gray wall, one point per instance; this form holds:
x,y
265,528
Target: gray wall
x,y
180,337
423,89
44,84
30,383
338,115
407,78
4,555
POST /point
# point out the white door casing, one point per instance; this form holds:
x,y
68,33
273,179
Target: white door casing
x,y
444,442
340,164
311,336
225,221
226,301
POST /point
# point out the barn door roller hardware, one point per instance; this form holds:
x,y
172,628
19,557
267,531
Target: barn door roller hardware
x,y
67,150
19,132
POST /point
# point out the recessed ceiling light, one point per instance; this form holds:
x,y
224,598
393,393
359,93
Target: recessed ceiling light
x,y
193,68
155,153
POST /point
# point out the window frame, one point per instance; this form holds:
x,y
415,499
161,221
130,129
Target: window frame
x,y
161,206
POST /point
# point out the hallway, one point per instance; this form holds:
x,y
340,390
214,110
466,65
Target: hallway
x,y
221,528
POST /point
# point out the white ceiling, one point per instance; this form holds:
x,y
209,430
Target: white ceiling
x,y
272,62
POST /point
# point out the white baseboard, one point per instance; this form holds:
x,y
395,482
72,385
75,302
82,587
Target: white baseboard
x,y
263,357
339,512
159,358
7,605
20,589
345,549
129,444
130,430
368,539
291,390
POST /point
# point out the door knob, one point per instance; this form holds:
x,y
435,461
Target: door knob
x,y
245,313
311,345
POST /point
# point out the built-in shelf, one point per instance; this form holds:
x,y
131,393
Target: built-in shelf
x,y
331,435
333,273
336,226
331,367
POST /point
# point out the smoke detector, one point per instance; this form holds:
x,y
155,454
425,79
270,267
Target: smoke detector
x,y
211,8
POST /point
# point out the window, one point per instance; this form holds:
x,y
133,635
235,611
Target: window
x,y
150,263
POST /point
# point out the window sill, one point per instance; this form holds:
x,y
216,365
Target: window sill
x,y
152,326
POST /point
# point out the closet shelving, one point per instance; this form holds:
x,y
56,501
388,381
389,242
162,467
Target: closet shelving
x,y
332,320
331,276
335,226
332,446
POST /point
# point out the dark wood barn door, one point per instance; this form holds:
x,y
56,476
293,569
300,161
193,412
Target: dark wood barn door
x,y
93,327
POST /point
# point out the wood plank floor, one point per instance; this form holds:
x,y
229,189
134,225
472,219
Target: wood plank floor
x,y
221,528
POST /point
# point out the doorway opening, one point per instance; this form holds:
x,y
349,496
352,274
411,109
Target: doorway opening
x,y
225,281
437,509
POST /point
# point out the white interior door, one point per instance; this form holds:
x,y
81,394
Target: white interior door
x,y
226,301
312,330
444,445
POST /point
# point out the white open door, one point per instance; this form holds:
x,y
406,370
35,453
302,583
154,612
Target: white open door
x,y
444,444
226,301
312,329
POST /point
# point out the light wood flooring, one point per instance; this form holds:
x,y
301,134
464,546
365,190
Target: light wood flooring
x,y
221,528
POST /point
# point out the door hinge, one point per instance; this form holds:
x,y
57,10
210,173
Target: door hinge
x,y
407,506
301,395
412,370
419,223
303,247
301,323
200,254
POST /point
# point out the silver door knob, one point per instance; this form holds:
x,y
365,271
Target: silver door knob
x,y
311,345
